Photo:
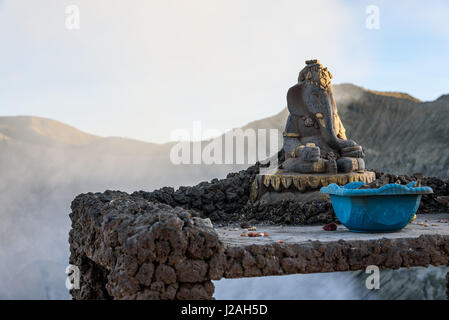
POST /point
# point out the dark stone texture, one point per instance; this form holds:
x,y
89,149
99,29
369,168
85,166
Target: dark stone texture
x,y
93,278
428,204
215,199
130,248
290,258
287,212
159,245
226,201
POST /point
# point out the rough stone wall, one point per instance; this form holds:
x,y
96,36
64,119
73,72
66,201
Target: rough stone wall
x,y
215,199
225,201
428,204
157,245
130,248
286,212
282,259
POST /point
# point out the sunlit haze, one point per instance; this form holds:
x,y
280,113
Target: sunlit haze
x,y
141,69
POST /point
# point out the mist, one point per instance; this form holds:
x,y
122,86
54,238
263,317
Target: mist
x,y
42,172
38,180
143,69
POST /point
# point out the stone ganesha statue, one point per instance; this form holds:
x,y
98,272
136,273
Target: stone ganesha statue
x,y
314,137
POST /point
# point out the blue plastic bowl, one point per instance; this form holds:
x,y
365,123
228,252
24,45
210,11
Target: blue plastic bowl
x,y
386,209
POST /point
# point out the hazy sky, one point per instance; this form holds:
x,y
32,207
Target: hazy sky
x,y
141,68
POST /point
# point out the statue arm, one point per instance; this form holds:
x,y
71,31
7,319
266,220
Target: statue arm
x,y
353,150
342,131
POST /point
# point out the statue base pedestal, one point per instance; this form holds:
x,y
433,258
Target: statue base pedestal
x,y
278,185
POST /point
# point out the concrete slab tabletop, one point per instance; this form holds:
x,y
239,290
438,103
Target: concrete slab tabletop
x,y
425,224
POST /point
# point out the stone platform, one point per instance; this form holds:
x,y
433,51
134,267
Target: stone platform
x,y
127,247
278,185
429,224
310,249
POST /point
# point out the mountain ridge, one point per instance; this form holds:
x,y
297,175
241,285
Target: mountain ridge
x,y
43,168
398,133
42,125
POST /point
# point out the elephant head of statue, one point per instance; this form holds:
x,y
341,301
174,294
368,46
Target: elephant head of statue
x,y
313,96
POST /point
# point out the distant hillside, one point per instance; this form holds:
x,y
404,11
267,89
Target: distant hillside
x,y
399,133
394,94
44,164
43,131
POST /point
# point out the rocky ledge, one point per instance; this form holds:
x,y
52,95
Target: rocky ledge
x,y
130,248
225,201
162,244
127,247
